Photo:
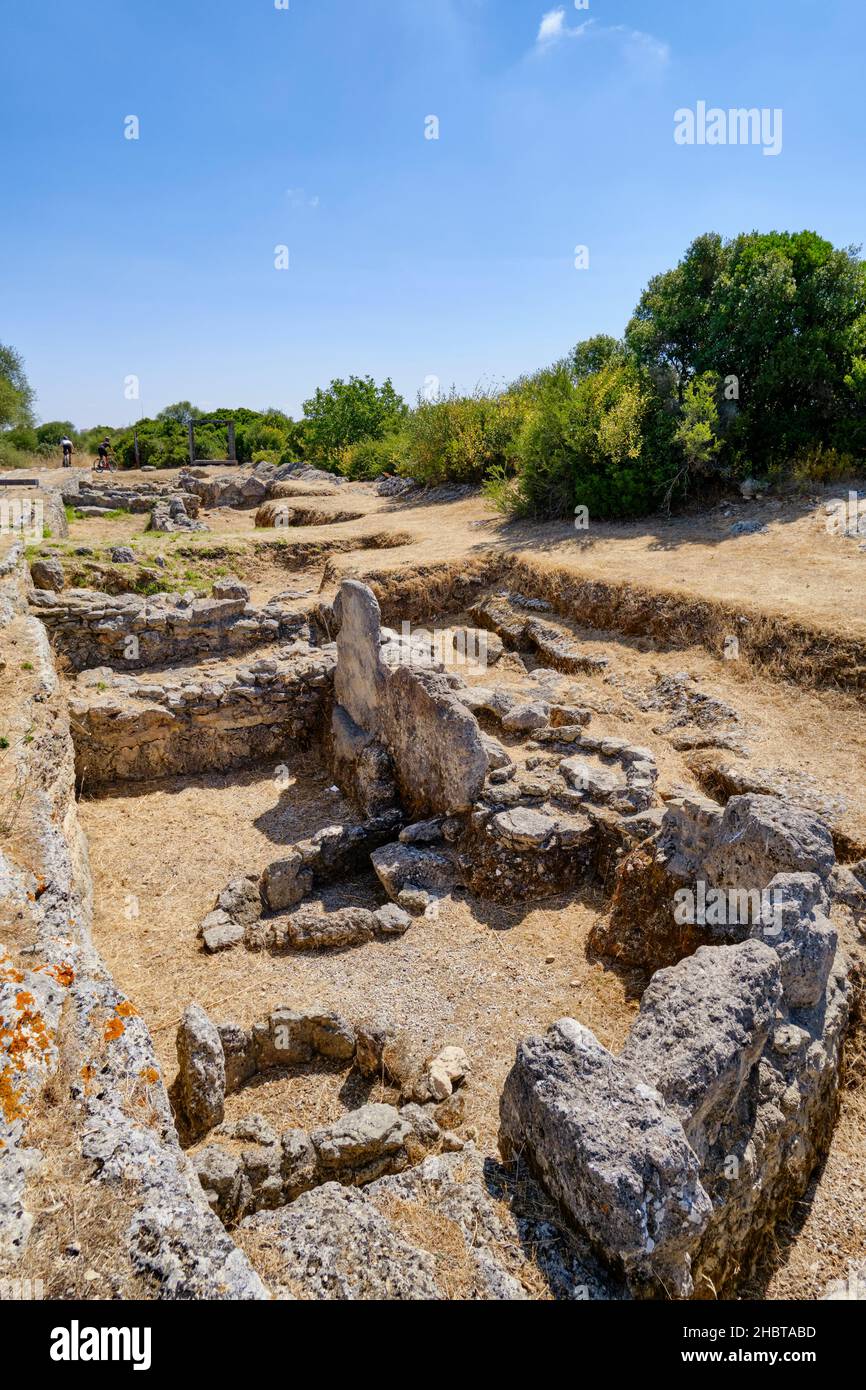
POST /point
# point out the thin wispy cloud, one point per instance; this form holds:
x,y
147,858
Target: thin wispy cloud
x,y
646,45
638,46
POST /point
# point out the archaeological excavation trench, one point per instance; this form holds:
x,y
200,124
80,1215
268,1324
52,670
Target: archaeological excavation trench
x,y
406,940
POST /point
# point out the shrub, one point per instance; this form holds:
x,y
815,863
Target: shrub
x,y
461,439
347,413
370,458
603,442
819,465
781,314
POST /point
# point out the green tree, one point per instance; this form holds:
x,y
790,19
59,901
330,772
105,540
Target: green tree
x,y
16,394
593,353
347,412
697,430
52,431
181,412
779,316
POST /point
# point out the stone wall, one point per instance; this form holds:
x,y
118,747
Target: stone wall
x,y
271,1170
131,729
64,1024
127,631
98,494
678,1157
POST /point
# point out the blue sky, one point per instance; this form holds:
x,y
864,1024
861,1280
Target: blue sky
x,y
409,257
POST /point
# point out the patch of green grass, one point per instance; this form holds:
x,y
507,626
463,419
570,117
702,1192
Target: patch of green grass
x,y
148,587
27,666
4,742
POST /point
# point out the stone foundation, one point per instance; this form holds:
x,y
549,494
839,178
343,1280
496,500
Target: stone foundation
x,y
678,1157
66,1024
126,631
361,1146
126,728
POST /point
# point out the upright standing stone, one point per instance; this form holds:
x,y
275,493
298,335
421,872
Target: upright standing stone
x,y
359,678
201,1082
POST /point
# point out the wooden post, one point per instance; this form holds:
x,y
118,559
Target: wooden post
x,y
135,447
191,431
231,433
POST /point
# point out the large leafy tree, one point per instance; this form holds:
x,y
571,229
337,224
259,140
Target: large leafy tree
x,y
52,431
16,394
781,318
346,413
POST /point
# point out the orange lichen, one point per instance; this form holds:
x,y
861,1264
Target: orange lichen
x,y
150,1075
113,1029
63,974
11,1107
126,1010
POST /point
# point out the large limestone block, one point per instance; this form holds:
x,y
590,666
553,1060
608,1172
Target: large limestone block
x,y
435,742
802,936
610,1152
201,1083
701,1028
761,836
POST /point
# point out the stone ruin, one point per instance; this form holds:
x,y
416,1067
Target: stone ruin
x,y
666,1167
675,1158
216,1060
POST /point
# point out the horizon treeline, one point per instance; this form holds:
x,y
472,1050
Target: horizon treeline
x,y
748,359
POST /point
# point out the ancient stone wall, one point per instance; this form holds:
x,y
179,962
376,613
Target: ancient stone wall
x,y
678,1157
127,631
63,1021
215,1060
129,728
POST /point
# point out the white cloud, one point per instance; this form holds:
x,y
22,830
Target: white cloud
x,y
552,26
639,47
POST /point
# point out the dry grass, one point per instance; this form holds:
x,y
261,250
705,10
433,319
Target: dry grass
x,y
423,1226
80,1224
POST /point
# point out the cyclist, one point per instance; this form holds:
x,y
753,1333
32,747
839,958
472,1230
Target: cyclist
x,y
66,446
105,459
